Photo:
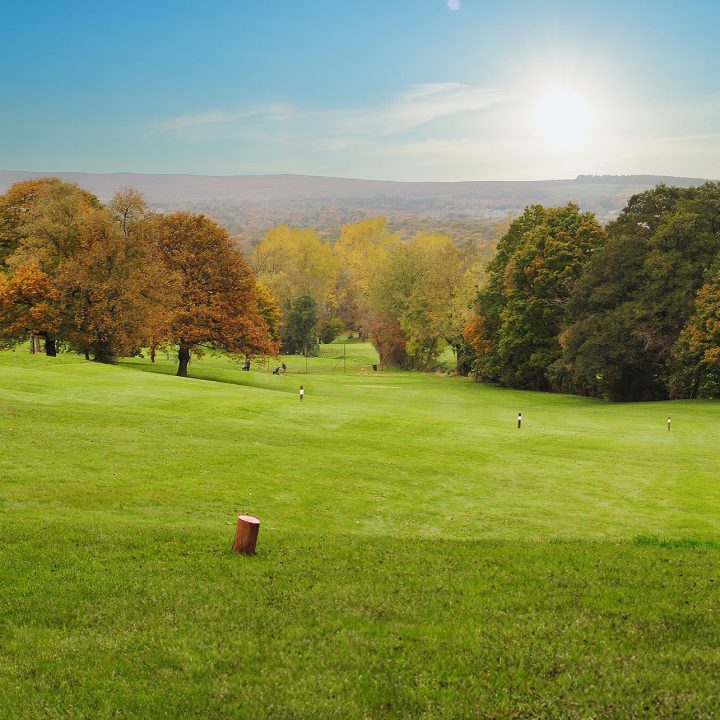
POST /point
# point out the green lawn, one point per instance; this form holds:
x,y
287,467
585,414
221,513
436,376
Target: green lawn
x,y
418,557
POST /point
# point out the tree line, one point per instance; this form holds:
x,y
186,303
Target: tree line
x,y
629,311
626,312
107,280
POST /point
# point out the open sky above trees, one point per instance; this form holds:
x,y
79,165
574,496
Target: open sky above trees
x,y
405,90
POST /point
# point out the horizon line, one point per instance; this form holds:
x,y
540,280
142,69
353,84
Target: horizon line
x,y
44,173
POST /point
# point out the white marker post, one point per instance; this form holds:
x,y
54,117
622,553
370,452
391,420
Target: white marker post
x,y
302,393
519,420
669,420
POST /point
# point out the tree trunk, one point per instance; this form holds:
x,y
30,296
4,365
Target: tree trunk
x,y
50,346
429,357
152,353
32,344
183,360
246,534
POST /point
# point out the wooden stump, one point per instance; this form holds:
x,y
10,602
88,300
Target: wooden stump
x,y
246,534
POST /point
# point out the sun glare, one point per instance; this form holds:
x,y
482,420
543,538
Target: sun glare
x,y
564,118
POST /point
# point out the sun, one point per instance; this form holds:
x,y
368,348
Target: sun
x,y
563,117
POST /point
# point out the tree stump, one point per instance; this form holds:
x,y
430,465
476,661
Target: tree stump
x,y
246,534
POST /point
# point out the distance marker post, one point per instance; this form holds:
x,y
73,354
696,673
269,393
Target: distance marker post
x,y
519,420
669,421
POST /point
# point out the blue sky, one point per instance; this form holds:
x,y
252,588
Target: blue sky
x,y
387,89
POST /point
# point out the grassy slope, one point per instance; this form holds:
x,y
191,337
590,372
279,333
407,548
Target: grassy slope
x,y
418,555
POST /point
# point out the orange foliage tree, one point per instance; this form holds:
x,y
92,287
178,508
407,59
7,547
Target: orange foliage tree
x,y
42,223
695,365
28,304
217,304
115,289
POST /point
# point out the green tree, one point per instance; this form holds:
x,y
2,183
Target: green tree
x,y
521,310
298,333
483,329
635,296
330,329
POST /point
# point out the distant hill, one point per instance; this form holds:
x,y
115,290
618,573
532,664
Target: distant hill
x,y
442,197
250,204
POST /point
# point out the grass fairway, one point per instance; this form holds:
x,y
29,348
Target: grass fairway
x,y
418,557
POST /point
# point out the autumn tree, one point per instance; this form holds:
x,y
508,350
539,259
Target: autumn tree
x,y
269,308
413,300
48,234
115,288
293,262
461,311
361,250
129,209
217,304
695,362
15,205
28,304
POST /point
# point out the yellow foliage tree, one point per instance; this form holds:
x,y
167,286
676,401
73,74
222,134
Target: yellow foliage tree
x,y
361,250
414,293
293,262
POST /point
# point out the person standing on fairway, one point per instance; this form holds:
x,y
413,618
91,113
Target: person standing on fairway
x,y
302,393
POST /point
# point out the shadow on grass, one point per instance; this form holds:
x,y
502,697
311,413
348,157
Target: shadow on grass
x,y
208,375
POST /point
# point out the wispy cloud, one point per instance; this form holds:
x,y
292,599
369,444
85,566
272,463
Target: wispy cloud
x,y
197,127
335,127
421,104
199,120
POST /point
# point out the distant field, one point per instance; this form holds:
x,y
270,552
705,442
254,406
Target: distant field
x,y
418,557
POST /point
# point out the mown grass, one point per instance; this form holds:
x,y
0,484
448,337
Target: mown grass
x,y
419,556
